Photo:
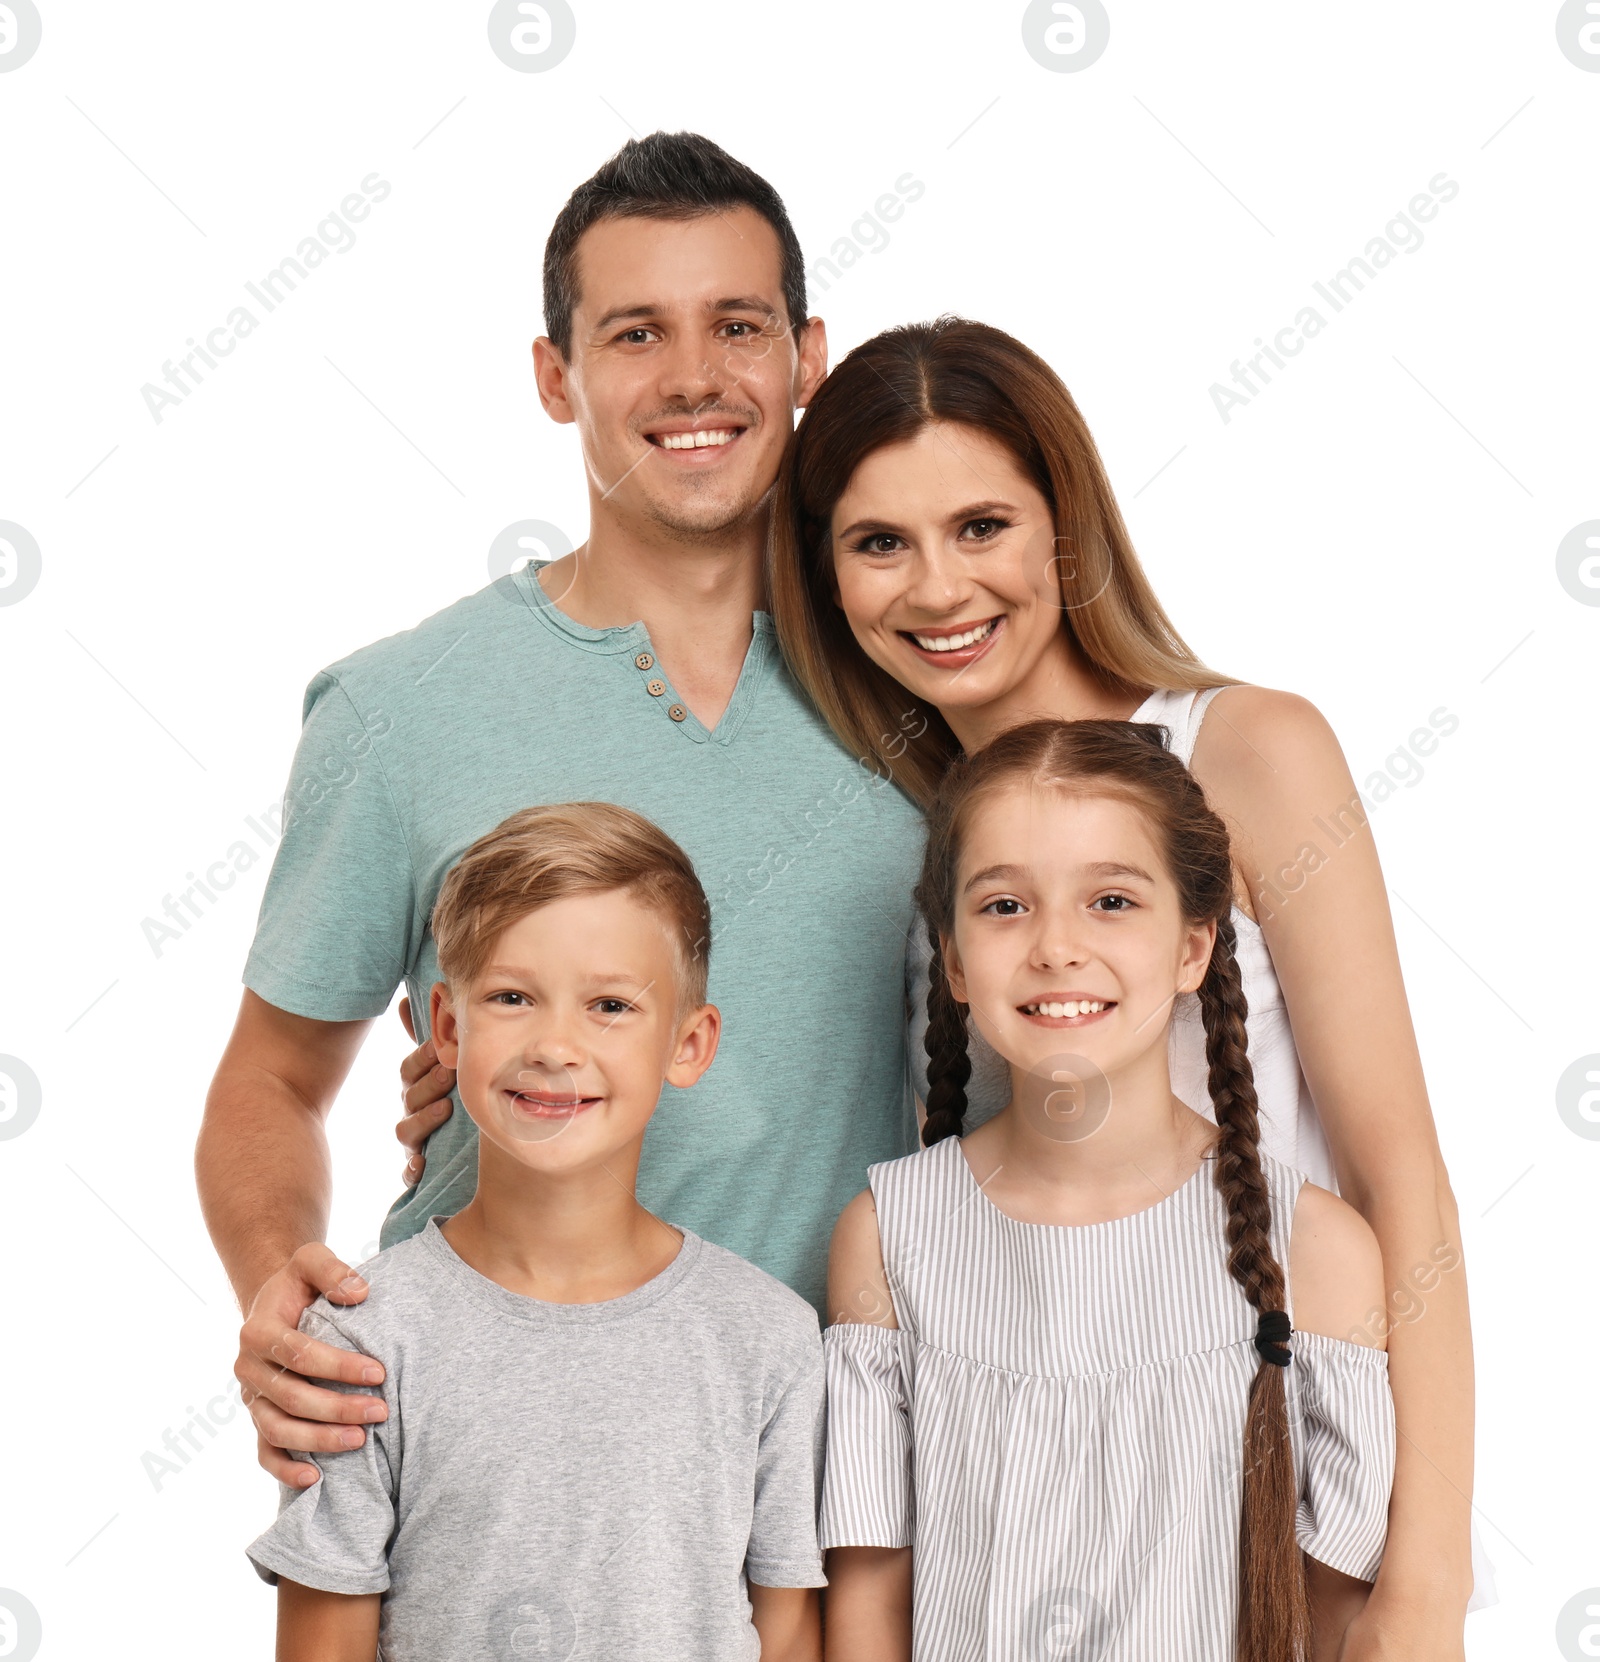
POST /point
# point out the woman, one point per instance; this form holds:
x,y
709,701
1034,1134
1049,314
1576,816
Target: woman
x,y
948,561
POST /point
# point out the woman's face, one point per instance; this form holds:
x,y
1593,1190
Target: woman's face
x,y
945,562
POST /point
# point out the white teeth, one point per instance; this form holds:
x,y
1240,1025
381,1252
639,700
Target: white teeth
x,y
1070,1007
952,643
696,441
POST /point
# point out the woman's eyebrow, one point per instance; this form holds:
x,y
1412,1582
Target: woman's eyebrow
x,y
972,510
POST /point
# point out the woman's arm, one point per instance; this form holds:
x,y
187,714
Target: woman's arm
x,y
1273,769
314,1626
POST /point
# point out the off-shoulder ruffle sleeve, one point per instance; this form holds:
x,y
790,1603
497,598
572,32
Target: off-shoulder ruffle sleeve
x,y
866,1490
1343,1414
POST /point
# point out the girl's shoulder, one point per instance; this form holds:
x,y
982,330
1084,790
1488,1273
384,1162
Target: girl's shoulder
x,y
1332,1258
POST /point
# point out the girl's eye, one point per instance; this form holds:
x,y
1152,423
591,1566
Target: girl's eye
x,y
1123,902
879,542
998,908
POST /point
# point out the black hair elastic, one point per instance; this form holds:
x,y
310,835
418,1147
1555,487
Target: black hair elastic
x,y
1272,1335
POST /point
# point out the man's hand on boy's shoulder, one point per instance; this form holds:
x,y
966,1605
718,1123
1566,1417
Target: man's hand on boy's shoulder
x,y
277,1364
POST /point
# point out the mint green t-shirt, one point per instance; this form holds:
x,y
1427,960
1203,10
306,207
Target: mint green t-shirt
x,y
417,745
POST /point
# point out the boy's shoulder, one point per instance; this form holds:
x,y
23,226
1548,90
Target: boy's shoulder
x,y
755,1300
403,1283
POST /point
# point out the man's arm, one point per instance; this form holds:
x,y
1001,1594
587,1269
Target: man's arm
x,y
314,1626
263,1171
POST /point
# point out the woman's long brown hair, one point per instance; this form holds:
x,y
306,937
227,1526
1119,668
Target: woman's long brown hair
x,y
885,392
1129,761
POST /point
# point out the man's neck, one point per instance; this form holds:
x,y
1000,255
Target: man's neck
x,y
695,599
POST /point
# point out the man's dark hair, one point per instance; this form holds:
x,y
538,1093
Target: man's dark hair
x,y
663,176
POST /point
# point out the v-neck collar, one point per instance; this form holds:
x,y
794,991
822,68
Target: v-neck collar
x,y
634,639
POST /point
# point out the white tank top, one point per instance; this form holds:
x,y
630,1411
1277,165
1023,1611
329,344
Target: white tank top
x,y
1290,1129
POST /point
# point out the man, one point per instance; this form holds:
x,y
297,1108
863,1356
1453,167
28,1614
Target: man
x,y
640,670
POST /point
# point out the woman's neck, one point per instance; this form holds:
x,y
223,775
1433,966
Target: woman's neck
x,y
1061,686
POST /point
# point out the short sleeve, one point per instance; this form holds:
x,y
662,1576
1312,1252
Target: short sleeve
x,y
1343,1413
335,1535
338,920
783,1526
866,1488
989,1088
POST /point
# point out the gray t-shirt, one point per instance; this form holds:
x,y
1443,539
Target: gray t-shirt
x,y
568,1481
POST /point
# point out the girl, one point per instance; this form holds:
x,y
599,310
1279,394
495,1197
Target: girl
x,y
947,561
1061,1360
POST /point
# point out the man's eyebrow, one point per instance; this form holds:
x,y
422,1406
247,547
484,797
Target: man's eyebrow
x,y
743,303
654,308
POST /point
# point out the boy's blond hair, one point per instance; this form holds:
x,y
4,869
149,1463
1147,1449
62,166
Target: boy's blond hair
x,y
547,853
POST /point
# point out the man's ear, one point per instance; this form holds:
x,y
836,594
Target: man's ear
x,y
953,972
813,365
1200,943
550,374
443,1026
697,1045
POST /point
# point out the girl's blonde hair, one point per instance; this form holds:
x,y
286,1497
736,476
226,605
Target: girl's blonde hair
x,y
547,853
886,391
1129,761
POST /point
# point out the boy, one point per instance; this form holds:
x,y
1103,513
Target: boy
x,y
604,1432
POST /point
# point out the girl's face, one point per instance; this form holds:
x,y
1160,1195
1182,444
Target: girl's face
x,y
945,564
1068,937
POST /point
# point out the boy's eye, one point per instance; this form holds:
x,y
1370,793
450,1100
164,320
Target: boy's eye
x,y
612,1006
508,998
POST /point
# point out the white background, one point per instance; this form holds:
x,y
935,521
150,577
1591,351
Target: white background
x,y
1377,530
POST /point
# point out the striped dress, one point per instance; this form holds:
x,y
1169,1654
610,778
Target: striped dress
x,y
1057,1424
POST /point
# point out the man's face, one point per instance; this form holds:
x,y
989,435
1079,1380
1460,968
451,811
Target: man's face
x,y
684,373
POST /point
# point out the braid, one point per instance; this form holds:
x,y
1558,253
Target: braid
x,y
1274,1620
949,1066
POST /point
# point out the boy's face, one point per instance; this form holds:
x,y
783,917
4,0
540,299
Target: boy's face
x,y
680,328
562,1043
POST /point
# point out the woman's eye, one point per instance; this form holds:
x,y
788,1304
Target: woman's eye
x,y
880,542
1005,907
980,530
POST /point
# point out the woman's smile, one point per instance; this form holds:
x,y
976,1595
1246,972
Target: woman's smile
x,y
954,646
